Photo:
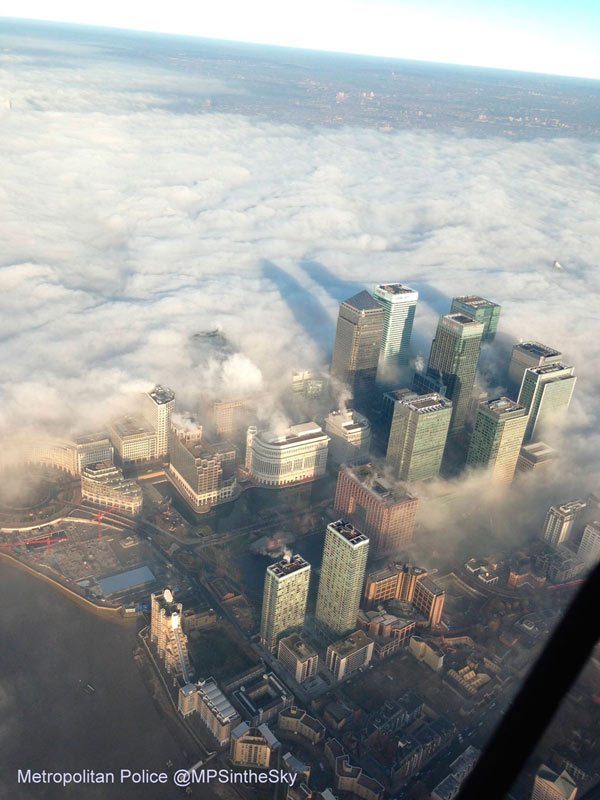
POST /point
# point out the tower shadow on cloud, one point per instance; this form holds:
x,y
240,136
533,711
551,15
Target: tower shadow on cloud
x,y
304,306
337,287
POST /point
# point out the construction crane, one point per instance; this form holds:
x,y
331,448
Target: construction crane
x,y
48,539
99,516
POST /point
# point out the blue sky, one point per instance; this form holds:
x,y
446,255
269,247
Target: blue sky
x,y
552,36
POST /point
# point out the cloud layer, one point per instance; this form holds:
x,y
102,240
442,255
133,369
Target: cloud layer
x,y
129,226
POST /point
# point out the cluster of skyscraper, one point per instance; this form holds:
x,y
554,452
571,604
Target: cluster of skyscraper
x,y
427,421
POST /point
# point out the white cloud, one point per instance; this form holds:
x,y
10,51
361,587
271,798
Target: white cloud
x,y
128,227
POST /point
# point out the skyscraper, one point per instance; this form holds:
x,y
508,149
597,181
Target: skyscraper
x,y
284,599
549,785
418,436
526,355
546,393
157,408
481,310
589,547
497,438
560,522
342,574
357,343
455,354
399,303
385,512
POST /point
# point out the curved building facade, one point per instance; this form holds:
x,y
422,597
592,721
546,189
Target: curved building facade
x,y
298,456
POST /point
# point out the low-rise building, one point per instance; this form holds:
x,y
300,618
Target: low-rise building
x,y
134,439
298,721
349,654
261,700
350,436
534,457
407,583
298,657
215,710
427,653
254,747
296,456
103,485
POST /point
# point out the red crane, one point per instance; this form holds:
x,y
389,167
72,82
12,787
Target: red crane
x,y
99,516
47,539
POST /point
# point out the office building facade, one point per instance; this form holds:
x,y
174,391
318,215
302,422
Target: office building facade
x,y
497,438
560,525
481,310
284,599
383,511
350,436
550,785
342,575
526,355
357,344
298,456
589,547
455,355
546,393
399,304
418,436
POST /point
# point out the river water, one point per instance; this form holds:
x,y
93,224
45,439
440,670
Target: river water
x,y
48,644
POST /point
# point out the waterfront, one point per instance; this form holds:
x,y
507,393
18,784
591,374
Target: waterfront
x,y
51,648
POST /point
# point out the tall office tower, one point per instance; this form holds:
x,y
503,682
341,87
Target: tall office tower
x,y
350,436
481,310
157,408
546,394
399,303
357,343
526,355
166,633
383,511
342,574
497,438
589,547
549,785
455,354
284,599
561,521
418,436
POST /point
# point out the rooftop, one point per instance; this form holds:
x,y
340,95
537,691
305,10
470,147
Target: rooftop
x,y
426,403
475,301
372,481
91,438
283,568
301,649
348,419
363,301
537,349
132,426
348,531
303,432
395,289
503,406
356,641
161,395
538,451
548,369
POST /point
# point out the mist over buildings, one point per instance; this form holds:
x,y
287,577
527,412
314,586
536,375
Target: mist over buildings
x,y
131,226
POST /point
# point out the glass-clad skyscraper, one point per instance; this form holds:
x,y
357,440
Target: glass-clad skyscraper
x,y
399,304
455,355
546,393
481,310
497,438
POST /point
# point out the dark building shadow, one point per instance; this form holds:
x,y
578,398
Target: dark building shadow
x,y
338,288
305,307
